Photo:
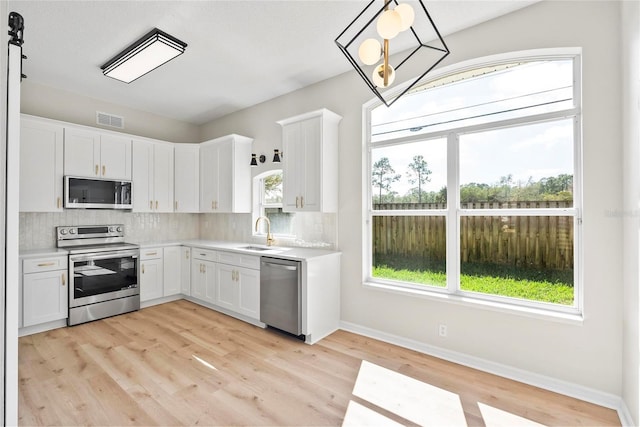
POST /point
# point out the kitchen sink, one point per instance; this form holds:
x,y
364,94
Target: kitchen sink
x,y
256,248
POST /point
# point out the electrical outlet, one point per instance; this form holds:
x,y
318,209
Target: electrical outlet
x,y
442,330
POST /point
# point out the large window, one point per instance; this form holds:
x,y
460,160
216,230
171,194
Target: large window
x,y
474,185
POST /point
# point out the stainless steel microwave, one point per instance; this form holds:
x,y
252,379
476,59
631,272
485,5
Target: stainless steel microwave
x,y
90,193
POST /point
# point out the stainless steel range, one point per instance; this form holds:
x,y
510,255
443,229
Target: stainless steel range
x,y
103,272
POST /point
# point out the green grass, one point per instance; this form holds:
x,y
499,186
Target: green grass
x,y
545,286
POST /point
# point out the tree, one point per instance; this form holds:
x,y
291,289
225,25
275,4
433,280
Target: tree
x,y
273,187
383,176
419,173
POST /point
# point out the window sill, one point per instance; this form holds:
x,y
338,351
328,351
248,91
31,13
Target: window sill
x,y
532,312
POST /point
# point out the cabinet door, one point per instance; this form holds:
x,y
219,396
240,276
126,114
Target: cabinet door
x,y
210,278
81,153
162,178
151,279
198,283
208,177
186,178
185,270
249,288
41,166
224,182
172,273
142,176
227,293
292,169
44,297
203,280
115,157
311,174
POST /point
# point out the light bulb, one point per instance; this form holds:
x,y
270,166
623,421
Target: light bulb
x,y
389,24
378,76
370,51
406,15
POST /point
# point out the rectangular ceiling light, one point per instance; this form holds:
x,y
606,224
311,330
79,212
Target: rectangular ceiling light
x,y
146,54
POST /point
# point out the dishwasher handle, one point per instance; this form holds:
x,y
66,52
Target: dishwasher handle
x,y
280,266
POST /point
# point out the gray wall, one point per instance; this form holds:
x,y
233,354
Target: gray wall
x,y
44,101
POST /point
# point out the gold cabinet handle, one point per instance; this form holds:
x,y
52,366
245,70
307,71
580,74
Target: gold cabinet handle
x,y
297,201
97,169
151,253
156,205
59,202
150,204
64,279
104,170
142,268
301,202
204,268
46,264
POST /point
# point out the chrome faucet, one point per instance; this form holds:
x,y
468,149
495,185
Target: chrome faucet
x,y
270,239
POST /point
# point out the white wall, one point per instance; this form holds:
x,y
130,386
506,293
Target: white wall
x,y
45,101
630,12
588,354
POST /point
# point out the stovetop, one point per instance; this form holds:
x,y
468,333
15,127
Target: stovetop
x,y
103,247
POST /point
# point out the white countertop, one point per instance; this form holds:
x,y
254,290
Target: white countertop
x,y
40,253
293,253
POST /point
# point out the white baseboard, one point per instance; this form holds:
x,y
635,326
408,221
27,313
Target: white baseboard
x,y
625,415
542,381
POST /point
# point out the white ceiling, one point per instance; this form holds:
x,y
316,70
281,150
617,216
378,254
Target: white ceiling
x,y
239,53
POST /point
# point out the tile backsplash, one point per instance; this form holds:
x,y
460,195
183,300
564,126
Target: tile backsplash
x,y
37,230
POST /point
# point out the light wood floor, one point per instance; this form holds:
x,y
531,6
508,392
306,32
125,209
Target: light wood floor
x,y
181,364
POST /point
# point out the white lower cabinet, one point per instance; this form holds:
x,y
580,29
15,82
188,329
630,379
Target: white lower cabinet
x,y
239,284
203,275
171,270
151,274
185,270
44,290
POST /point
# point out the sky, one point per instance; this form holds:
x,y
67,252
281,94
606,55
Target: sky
x,y
531,151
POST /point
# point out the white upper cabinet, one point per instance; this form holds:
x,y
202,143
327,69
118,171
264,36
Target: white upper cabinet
x,y
310,162
41,166
152,176
186,178
225,175
89,153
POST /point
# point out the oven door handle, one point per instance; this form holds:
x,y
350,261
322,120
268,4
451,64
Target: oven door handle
x,y
104,255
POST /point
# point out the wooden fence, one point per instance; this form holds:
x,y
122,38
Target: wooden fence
x,y
524,241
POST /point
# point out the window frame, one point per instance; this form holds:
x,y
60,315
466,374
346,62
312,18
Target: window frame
x,y
454,213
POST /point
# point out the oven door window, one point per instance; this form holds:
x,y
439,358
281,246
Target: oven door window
x,y
95,277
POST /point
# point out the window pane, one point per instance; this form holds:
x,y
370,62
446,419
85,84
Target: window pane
x,y
410,249
526,257
410,176
280,221
522,167
478,96
273,189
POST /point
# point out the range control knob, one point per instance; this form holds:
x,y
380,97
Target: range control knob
x,y
119,229
72,231
112,229
63,231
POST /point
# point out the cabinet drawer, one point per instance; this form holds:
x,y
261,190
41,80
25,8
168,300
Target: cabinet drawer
x,y
239,260
205,254
44,264
150,253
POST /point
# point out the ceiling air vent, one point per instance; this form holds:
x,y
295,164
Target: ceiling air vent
x,y
110,120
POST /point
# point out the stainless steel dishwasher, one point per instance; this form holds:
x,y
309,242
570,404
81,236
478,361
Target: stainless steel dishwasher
x,y
281,294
